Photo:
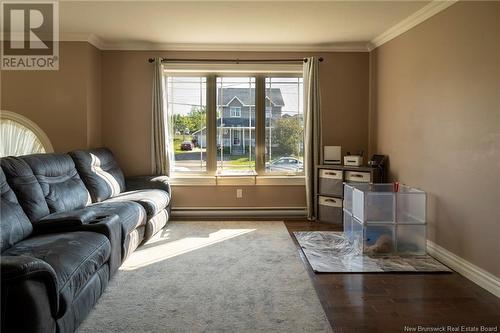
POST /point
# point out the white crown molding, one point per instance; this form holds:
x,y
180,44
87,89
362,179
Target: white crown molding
x,y
96,41
424,13
334,47
144,46
477,275
82,37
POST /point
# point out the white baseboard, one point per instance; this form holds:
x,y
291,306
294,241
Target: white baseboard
x,y
477,275
239,212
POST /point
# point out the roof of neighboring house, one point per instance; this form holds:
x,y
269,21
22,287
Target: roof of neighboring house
x,y
247,96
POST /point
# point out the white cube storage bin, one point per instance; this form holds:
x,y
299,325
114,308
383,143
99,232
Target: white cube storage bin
x,y
330,210
330,182
382,221
357,177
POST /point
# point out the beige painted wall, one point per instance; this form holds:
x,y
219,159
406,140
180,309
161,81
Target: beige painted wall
x,y
435,110
104,98
64,103
126,118
94,129
225,196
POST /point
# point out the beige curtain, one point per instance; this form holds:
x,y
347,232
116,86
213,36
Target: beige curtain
x,y
160,134
312,129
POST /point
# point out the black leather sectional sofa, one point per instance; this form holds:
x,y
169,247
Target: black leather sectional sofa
x,y
68,221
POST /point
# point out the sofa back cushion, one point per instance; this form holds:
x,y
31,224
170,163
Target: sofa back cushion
x,y
100,172
15,225
28,191
61,185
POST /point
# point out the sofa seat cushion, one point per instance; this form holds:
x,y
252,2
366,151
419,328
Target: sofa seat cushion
x,y
131,214
153,201
74,256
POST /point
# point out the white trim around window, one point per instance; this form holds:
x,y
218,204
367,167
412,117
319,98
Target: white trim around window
x,y
212,176
30,125
222,180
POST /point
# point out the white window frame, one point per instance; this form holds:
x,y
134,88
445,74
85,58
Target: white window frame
x,y
30,125
260,175
269,111
235,111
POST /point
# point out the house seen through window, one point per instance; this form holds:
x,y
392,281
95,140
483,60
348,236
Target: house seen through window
x,y
250,136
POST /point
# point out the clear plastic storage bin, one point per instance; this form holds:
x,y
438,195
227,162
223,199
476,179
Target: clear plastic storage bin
x,y
379,220
348,197
357,235
347,219
411,205
411,238
379,238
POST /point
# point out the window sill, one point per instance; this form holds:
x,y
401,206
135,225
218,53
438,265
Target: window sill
x,y
237,180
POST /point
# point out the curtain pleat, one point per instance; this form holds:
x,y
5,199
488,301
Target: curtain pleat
x,y
160,132
312,129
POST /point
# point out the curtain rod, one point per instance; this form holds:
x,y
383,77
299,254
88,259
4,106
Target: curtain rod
x,y
237,61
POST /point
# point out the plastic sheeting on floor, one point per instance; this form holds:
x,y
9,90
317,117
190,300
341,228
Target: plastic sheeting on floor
x,y
331,252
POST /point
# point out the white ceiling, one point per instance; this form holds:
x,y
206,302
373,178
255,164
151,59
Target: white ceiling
x,y
299,23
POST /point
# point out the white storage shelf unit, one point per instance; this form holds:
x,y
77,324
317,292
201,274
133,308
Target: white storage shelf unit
x,y
330,188
379,220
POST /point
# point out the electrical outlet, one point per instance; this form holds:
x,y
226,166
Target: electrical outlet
x,y
239,193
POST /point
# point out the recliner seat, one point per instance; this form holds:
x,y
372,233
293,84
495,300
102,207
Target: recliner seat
x,y
105,181
42,274
67,222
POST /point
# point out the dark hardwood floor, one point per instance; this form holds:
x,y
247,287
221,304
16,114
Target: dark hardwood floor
x,y
387,302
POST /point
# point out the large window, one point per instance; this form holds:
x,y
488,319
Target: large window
x,y
236,133
186,103
236,124
284,125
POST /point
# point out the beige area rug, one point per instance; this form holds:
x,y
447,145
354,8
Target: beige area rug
x,y
212,277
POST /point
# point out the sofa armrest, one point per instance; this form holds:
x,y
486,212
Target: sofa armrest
x,y
148,182
65,219
109,226
82,220
20,271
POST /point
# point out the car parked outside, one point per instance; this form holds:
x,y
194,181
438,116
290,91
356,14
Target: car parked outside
x,y
187,145
285,164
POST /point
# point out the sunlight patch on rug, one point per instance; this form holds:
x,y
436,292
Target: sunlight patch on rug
x,y
165,249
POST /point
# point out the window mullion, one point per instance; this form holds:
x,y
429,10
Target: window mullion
x,y
260,134
211,124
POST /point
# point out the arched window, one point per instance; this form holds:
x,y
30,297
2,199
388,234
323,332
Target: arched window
x,y
20,136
